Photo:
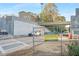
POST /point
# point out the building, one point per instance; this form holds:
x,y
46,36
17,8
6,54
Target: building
x,y
75,23
77,11
17,25
7,24
28,16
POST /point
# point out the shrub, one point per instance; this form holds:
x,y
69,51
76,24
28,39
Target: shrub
x,y
73,50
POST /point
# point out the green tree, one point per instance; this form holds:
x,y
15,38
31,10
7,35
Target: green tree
x,y
60,18
49,13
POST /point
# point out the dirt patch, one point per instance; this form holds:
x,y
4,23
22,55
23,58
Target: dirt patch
x,y
50,49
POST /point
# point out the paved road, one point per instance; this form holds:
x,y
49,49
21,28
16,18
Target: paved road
x,y
29,40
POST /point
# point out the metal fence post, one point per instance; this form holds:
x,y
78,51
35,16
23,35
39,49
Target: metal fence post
x,y
33,42
61,42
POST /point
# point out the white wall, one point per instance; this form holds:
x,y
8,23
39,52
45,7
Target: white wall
x,y
23,28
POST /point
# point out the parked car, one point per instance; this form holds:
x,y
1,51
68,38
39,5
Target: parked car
x,y
65,34
37,33
30,34
3,33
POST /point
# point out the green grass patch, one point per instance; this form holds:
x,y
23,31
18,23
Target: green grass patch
x,y
73,50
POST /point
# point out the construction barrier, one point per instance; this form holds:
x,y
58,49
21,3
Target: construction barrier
x,y
70,36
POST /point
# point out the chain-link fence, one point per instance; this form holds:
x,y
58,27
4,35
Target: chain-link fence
x,y
50,43
43,42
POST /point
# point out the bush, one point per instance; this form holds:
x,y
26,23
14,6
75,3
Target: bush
x,y
73,50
